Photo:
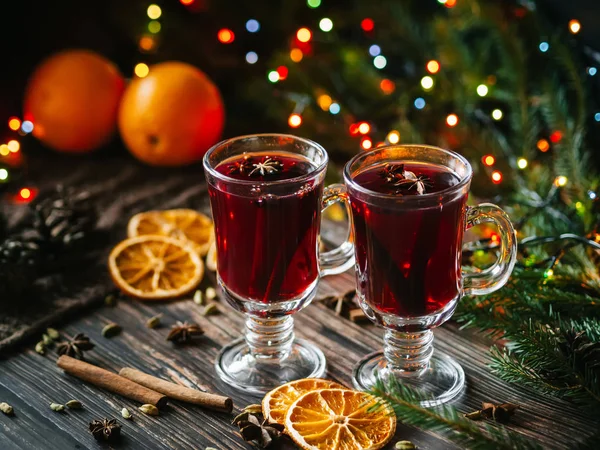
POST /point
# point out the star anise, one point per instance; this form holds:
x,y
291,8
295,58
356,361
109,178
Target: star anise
x,y
261,434
242,167
401,180
107,430
267,166
499,413
76,346
341,304
184,332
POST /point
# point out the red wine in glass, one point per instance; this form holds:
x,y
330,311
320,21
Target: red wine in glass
x,y
408,258
266,243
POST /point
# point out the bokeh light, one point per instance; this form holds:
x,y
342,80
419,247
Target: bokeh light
x,y
393,137
154,11
433,66
27,126
591,71
387,86
452,120
522,163
225,36
324,102
187,2
379,62
488,160
419,103
543,145
154,26
374,50
366,143
450,3
561,181
295,120
482,90
296,55
25,193
326,24
283,72
334,108
13,146
4,150
556,137
313,3
3,174
146,43
574,26
141,70
273,76
497,114
364,128
496,177
251,57
14,123
367,24
544,46
303,35
252,26
427,82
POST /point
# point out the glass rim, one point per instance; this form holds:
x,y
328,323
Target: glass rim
x,y
212,170
407,198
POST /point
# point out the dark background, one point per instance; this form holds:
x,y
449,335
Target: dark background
x,y
32,30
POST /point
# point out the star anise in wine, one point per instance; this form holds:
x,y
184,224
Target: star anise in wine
x,y
499,413
401,180
184,332
260,433
75,346
242,167
266,167
107,430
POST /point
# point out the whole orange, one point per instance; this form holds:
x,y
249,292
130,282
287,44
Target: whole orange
x,y
171,116
72,98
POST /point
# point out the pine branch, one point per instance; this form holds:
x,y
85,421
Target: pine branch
x,y
447,420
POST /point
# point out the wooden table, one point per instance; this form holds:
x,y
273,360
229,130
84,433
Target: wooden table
x,y
121,187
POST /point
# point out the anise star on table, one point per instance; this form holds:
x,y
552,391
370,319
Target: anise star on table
x,y
184,332
107,430
253,430
499,413
75,347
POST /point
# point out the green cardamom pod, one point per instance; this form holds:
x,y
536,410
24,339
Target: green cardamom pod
x,y
253,409
74,404
151,410
125,413
404,445
198,298
210,448
153,322
47,340
57,407
210,293
110,300
40,347
7,409
53,334
211,309
110,330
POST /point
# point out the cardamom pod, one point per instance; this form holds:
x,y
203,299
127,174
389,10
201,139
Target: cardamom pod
x,y
211,309
7,409
40,347
210,448
210,293
151,410
110,300
57,407
110,330
253,409
74,404
404,445
47,340
198,298
153,322
53,334
125,413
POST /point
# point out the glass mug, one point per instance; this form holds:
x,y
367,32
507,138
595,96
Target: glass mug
x,y
266,195
408,259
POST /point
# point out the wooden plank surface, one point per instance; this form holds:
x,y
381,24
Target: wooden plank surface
x,y
121,187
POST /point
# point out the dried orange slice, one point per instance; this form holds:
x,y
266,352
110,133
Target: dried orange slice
x,y
276,403
211,257
332,419
182,224
155,267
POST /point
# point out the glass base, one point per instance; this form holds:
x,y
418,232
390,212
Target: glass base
x,y
238,368
442,380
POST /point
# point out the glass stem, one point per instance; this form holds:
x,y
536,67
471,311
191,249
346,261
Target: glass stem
x,y
270,338
408,353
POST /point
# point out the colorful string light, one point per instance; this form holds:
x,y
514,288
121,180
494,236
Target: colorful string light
x,y
364,128
387,86
452,120
334,108
427,83
488,160
154,11
225,36
544,47
433,66
3,174
251,57
252,26
295,120
14,123
379,62
313,3
296,55
393,137
543,145
141,70
374,50
497,114
482,90
561,181
574,26
496,177
522,163
13,146
419,103
324,102
326,24
273,76
367,25
366,143
27,126
154,26
303,35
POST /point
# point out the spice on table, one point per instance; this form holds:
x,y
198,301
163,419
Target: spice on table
x,y
404,445
259,433
499,413
341,304
110,300
184,332
47,340
40,347
253,409
76,346
151,410
198,297
125,413
74,404
210,293
57,407
211,309
7,409
111,330
107,430
154,321
110,381
53,334
178,392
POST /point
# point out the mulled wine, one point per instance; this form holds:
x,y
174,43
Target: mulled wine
x,y
267,244
408,256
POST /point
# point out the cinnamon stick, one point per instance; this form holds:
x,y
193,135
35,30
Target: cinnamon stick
x,y
172,390
110,381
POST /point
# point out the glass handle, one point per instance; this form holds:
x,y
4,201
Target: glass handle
x,y
341,258
496,276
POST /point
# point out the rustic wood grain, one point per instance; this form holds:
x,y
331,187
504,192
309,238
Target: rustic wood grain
x,y
120,188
